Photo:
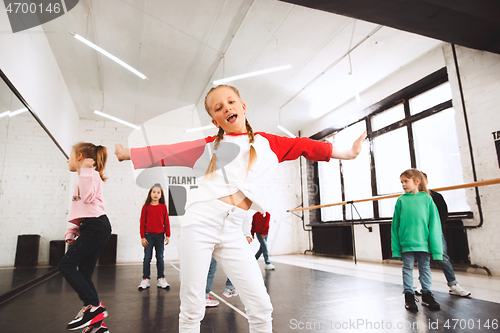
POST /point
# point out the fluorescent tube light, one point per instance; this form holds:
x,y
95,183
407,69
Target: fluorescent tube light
x,y
109,55
117,120
290,134
15,113
200,128
4,114
242,76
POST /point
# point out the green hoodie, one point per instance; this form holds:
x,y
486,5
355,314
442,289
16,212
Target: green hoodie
x,y
416,226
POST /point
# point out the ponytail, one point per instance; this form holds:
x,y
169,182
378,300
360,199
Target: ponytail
x,y
102,156
98,153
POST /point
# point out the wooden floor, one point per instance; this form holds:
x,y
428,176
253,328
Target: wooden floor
x,y
309,294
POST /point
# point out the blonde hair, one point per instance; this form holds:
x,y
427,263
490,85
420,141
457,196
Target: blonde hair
x,y
416,175
220,134
98,153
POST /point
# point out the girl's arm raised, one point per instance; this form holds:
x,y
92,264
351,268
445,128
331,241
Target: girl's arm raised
x,y
175,154
351,153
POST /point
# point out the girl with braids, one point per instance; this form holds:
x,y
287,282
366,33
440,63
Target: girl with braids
x,y
234,168
90,223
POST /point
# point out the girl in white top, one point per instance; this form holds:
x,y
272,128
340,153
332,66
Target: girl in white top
x,y
234,169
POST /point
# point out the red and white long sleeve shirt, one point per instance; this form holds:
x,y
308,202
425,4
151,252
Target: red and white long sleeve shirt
x,y
232,158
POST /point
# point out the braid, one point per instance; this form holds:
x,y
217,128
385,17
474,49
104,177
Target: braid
x,y
251,139
211,165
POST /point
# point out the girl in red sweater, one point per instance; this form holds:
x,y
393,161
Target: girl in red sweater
x,y
155,230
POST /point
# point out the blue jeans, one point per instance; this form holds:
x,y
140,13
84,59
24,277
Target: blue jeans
x,y
83,254
447,267
262,249
158,242
424,270
211,277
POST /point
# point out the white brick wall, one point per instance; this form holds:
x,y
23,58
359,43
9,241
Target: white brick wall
x,y
480,76
34,187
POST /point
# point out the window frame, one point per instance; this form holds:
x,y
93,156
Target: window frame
x,y
401,97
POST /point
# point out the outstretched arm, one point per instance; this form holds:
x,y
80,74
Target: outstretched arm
x,y
351,153
122,153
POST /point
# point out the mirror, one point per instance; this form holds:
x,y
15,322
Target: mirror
x,y
34,182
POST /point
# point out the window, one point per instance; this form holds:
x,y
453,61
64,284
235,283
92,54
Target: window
x,y
430,98
437,155
391,157
414,128
388,117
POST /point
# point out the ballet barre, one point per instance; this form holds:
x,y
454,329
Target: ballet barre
x,y
439,189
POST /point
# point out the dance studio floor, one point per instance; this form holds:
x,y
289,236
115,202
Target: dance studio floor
x,y
309,294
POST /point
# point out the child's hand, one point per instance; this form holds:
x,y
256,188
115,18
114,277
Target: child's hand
x,y
145,243
167,240
70,241
122,153
357,145
249,239
351,153
88,163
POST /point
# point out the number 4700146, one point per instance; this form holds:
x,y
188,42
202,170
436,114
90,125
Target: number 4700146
x,y
471,324
33,8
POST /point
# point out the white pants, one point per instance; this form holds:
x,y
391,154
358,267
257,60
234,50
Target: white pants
x,y
214,229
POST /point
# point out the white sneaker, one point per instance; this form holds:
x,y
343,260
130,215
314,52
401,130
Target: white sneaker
x,y
144,284
230,293
457,290
162,283
270,267
210,302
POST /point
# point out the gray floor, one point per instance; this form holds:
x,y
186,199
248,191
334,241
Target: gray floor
x,y
334,297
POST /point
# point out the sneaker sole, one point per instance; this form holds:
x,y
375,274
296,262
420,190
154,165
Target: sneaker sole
x,y
211,305
455,294
431,307
141,289
93,321
411,310
167,287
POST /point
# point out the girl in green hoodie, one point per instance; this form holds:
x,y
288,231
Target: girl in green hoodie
x,y
416,234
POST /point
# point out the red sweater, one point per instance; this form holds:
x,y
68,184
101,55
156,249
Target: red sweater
x,y
154,220
260,223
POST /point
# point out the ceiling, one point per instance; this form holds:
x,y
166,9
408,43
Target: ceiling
x,y
182,46
474,24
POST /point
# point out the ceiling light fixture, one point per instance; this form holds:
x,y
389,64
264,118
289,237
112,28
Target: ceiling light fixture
x,y
15,113
243,76
117,120
109,55
290,134
200,128
4,114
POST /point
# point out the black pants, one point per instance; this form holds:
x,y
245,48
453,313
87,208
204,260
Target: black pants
x,y
83,254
